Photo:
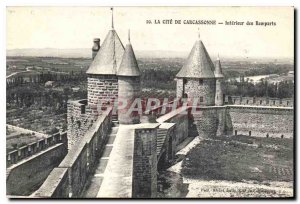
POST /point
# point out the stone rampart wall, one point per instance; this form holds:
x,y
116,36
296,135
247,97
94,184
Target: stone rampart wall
x,y
145,163
260,122
27,175
80,161
259,101
102,87
26,151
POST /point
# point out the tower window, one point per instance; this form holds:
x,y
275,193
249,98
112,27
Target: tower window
x,y
82,109
200,81
201,99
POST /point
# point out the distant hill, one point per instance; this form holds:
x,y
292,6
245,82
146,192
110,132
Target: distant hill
x,y
160,54
50,52
86,52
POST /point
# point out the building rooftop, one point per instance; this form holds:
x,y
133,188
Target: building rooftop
x,y
198,63
129,65
218,70
109,56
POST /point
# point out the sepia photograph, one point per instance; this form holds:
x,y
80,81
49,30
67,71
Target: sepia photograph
x,y
150,102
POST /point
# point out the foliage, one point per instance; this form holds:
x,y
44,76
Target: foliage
x,y
284,89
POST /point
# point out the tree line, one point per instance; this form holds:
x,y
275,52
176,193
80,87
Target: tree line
x,y
284,89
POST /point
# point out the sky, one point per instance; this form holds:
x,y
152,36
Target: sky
x,y
75,27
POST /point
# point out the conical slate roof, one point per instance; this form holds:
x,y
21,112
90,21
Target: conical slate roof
x,y
198,64
109,56
218,70
129,65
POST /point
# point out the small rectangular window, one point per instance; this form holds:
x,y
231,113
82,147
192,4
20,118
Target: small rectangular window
x,y
82,109
200,81
201,98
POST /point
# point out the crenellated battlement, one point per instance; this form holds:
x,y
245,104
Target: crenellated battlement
x,y
26,151
259,101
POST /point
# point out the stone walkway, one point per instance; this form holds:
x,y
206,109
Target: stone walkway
x,y
96,180
117,182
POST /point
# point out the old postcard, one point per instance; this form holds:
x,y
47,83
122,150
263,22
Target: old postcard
x,y
150,102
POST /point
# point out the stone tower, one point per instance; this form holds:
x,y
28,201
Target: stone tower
x,y
102,79
196,78
96,47
219,84
129,85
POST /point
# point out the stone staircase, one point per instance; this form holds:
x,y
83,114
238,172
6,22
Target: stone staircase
x,y
95,182
161,136
115,120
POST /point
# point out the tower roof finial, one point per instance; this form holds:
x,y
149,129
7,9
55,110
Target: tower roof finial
x,y
129,35
198,33
112,18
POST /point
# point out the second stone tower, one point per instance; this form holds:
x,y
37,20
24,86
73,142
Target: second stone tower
x,y
129,87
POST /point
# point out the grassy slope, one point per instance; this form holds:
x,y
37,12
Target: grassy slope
x,y
241,158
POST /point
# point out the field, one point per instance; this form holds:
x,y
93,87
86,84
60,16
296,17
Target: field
x,y
18,137
15,64
234,167
230,167
240,158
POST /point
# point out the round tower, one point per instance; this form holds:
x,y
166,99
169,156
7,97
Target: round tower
x,y
219,100
101,75
196,78
129,86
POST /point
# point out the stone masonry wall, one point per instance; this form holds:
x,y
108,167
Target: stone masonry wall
x,y
224,122
194,89
26,176
219,93
166,142
181,129
262,121
179,88
80,118
34,148
260,101
79,162
145,164
55,186
206,121
129,90
102,87
182,120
